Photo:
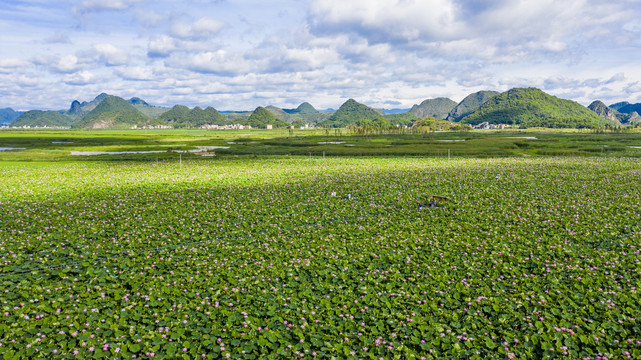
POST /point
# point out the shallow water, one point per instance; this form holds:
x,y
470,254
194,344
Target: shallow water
x,y
91,153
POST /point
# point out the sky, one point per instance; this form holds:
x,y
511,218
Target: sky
x,y
240,54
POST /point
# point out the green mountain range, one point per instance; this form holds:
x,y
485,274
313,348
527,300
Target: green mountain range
x,y
350,113
469,104
627,108
41,118
304,108
8,115
112,112
261,117
437,108
613,115
182,116
305,113
531,107
527,107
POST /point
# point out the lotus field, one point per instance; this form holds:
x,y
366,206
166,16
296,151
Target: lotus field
x,y
328,258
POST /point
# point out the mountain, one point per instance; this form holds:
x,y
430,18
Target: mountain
x,y
401,119
349,113
262,117
605,112
182,116
304,114
278,112
394,111
630,108
41,118
436,108
151,111
619,105
609,113
112,111
470,104
88,106
531,107
304,108
137,101
75,108
8,115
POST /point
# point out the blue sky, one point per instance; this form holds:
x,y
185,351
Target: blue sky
x,y
245,53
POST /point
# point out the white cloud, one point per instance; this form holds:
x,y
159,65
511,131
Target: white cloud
x,y
387,20
221,63
444,27
79,78
136,73
8,65
161,46
98,5
66,64
201,29
111,55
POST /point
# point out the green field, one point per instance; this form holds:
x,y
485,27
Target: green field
x,y
170,145
176,255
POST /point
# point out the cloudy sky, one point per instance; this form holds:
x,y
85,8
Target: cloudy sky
x,y
238,54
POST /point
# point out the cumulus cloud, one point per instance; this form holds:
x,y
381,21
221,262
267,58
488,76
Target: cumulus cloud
x,y
79,78
201,29
9,65
59,37
98,5
136,73
161,46
387,20
469,27
111,55
221,63
65,64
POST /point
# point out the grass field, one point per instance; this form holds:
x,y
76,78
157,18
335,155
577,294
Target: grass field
x,y
169,145
248,257
309,257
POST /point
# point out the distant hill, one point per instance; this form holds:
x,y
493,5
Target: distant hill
x,y
8,115
88,106
605,112
262,117
619,105
439,124
531,107
350,113
42,118
610,114
394,111
112,111
401,119
630,108
278,112
151,111
182,116
305,113
470,104
78,110
437,108
629,112
304,108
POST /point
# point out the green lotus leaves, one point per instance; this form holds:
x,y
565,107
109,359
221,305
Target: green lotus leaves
x,y
256,258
